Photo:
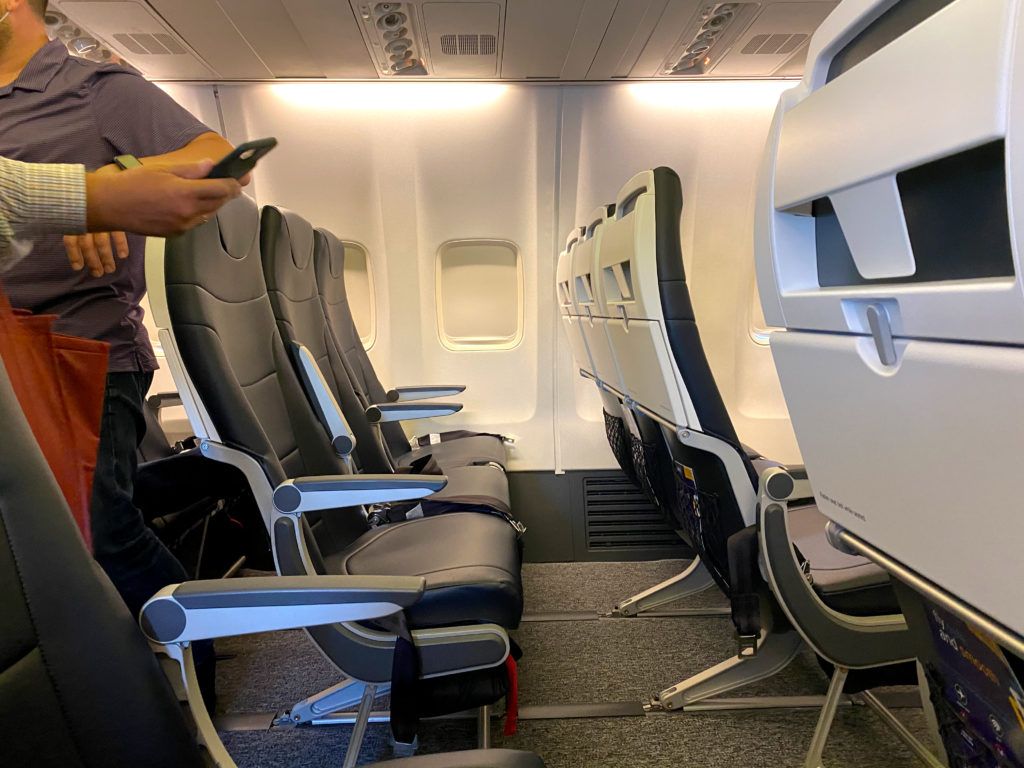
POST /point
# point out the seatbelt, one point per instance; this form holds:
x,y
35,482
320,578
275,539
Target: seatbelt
x,y
405,675
744,579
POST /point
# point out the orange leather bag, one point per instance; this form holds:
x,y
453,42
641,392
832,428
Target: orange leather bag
x,y
60,382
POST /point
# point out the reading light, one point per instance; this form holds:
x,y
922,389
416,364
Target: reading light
x,y
389,96
711,95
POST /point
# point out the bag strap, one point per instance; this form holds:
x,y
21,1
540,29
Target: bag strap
x,y
405,677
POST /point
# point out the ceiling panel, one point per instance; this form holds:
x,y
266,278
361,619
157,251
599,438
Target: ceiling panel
x,y
587,38
538,36
133,31
627,34
331,34
208,30
676,18
780,31
267,27
569,40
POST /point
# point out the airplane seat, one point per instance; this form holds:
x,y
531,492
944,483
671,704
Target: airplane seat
x,y
668,379
567,308
245,402
201,509
616,431
288,243
587,301
889,252
450,449
627,433
73,654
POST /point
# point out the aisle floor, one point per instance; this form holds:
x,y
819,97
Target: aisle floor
x,y
573,662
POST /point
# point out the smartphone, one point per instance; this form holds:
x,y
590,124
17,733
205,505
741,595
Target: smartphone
x,y
241,159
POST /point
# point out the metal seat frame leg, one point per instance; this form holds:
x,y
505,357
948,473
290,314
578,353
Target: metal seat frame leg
x,y
338,697
828,714
359,731
774,652
483,728
691,581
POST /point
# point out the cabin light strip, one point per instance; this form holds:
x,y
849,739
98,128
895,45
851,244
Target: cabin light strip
x,y
722,94
389,96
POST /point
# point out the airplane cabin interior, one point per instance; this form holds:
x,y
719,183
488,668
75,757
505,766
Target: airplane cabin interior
x,y
575,383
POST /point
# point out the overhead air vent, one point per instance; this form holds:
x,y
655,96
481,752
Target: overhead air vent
x,y
392,33
776,41
705,42
78,41
131,31
468,45
463,38
773,44
145,44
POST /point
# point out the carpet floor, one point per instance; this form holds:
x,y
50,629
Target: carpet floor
x,y
573,662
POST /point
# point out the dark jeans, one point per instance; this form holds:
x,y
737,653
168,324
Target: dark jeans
x,y
133,557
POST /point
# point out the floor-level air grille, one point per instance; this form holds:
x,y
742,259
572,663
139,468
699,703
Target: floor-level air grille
x,y
619,516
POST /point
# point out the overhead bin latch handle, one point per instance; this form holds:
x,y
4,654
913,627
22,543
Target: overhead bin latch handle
x,y
881,332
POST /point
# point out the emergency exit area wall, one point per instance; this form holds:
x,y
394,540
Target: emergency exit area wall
x,y
410,171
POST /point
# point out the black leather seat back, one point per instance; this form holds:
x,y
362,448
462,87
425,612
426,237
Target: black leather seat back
x,y
329,262
288,244
229,344
720,514
79,685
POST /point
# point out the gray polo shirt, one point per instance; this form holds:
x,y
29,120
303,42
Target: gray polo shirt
x,y
63,109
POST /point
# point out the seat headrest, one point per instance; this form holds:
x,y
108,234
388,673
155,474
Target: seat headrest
x,y
329,260
222,255
239,227
288,243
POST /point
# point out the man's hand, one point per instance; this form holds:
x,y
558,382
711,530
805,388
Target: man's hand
x,y
96,251
149,201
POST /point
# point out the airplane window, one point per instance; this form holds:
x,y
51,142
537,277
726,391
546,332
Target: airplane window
x,y
479,292
359,287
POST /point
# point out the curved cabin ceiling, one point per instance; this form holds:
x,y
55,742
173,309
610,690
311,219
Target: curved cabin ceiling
x,y
508,40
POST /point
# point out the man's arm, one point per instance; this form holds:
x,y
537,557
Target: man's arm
x,y
98,250
208,146
38,198
138,118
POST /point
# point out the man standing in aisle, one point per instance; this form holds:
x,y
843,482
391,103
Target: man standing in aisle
x,y
55,108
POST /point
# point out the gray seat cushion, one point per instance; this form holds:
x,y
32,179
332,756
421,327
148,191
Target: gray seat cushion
x,y
846,583
471,563
463,452
474,758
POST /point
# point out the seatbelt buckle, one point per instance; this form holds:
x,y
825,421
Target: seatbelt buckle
x,y
377,514
746,646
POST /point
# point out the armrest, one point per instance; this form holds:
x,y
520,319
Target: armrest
x,y
786,483
322,400
200,610
400,412
313,494
164,400
424,392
